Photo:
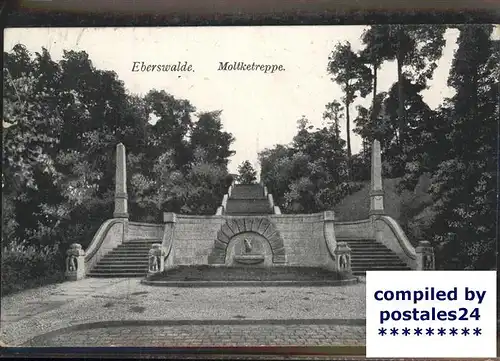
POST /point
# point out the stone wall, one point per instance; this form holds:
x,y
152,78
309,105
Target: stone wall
x,y
304,239
139,230
354,230
390,234
194,238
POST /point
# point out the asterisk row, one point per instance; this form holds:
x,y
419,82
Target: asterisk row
x,y
429,331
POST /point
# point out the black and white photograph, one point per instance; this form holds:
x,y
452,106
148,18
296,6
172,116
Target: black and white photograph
x,y
231,186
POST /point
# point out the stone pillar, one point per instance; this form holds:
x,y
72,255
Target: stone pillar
x,y
425,256
270,200
121,206
343,257
224,201
156,262
75,262
376,188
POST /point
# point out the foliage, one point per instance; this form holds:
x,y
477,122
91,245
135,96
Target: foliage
x,y
26,266
349,71
453,145
62,121
246,173
309,175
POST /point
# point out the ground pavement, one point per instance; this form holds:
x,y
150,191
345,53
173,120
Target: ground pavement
x,y
124,312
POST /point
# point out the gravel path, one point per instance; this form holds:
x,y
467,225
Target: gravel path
x,y
36,312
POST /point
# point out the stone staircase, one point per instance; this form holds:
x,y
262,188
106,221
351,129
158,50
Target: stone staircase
x,y
248,200
370,255
129,259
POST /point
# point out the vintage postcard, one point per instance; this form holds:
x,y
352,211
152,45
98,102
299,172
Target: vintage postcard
x,y
232,186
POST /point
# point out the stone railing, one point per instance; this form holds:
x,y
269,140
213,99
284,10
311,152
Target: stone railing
x,y
383,229
167,242
329,232
388,232
222,208
108,236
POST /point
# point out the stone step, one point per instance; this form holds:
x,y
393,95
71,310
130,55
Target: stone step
x,y
128,250
370,248
357,240
248,206
375,255
247,197
137,244
122,263
121,267
247,190
378,266
376,261
365,245
208,273
127,258
116,274
133,246
141,245
142,240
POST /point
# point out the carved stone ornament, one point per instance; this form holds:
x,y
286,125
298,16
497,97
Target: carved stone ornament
x,y
343,256
156,258
75,262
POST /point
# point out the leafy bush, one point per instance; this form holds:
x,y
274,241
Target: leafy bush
x,y
26,266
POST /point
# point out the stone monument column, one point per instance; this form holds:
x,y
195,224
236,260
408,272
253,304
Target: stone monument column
x,y
376,187
121,205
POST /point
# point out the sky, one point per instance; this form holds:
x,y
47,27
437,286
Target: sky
x,y
260,110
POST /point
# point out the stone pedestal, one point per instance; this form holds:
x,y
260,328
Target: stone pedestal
x,y
425,256
75,262
121,198
157,256
343,257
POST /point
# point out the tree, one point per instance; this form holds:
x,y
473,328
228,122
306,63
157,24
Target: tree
x,y
377,50
171,130
464,176
334,113
207,134
415,48
246,173
348,70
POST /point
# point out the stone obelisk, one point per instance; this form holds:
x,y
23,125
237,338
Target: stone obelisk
x,y
121,206
376,188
